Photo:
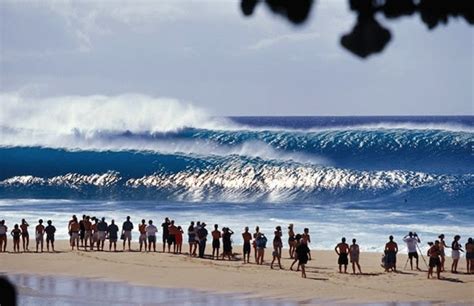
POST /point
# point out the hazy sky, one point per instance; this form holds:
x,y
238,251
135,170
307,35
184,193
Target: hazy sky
x,y
207,53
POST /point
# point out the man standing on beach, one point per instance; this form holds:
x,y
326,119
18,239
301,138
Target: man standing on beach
x,y
202,234
112,231
82,230
391,250
127,228
3,236
172,231
151,231
102,229
435,261
165,226
342,250
50,230
412,241
87,232
216,244
142,238
74,232
40,235
247,237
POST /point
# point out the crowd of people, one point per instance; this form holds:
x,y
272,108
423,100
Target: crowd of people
x,y
90,233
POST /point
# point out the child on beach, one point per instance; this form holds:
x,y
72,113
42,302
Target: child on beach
x,y
16,233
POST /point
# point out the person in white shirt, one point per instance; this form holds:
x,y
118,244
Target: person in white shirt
x,y
412,241
151,231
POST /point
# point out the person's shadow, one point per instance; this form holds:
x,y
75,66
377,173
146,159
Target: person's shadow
x,y
7,292
368,36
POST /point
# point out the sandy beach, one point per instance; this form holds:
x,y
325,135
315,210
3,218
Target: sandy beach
x,y
324,283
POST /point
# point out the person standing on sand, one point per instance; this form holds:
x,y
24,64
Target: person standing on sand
x,y
306,239
247,237
255,235
216,244
469,256
179,240
302,252
112,233
227,243
95,234
74,230
127,228
291,240
391,250
412,241
50,230
277,246
3,236
142,238
39,235
455,253
295,258
87,233
165,226
73,219
342,250
354,252
435,261
261,243
172,231
82,230
202,235
151,231
102,229
192,239
25,236
16,233
442,246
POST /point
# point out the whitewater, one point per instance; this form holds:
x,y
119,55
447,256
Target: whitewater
x,y
363,177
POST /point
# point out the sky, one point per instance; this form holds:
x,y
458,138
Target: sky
x,y
207,54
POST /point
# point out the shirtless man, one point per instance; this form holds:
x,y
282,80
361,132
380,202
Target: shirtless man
x,y
342,250
354,252
73,219
25,236
95,234
127,228
435,261
172,232
255,235
469,247
50,230
291,240
102,230
74,230
216,244
112,233
247,237
391,250
82,230
142,230
306,239
39,235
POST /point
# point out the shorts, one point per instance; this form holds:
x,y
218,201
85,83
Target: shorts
x,y
95,237
165,238
435,262
191,238
127,235
470,255
82,234
455,254
246,247
216,244
113,239
152,239
303,260
413,255
87,235
39,237
74,235
101,236
142,238
343,259
171,239
49,238
25,235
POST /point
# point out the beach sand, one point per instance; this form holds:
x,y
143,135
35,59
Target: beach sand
x,y
323,285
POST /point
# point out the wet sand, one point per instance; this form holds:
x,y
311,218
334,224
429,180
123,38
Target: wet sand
x,y
324,285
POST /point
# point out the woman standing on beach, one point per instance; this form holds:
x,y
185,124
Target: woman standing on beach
x,y
39,235
192,239
291,240
16,233
25,236
456,249
434,255
306,239
442,246
255,235
277,246
354,252
227,243
179,239
142,230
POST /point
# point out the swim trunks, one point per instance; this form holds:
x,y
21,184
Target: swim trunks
x,y
343,259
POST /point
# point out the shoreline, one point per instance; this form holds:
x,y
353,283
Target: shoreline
x,y
324,282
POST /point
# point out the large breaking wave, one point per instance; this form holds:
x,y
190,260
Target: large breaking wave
x,y
133,146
